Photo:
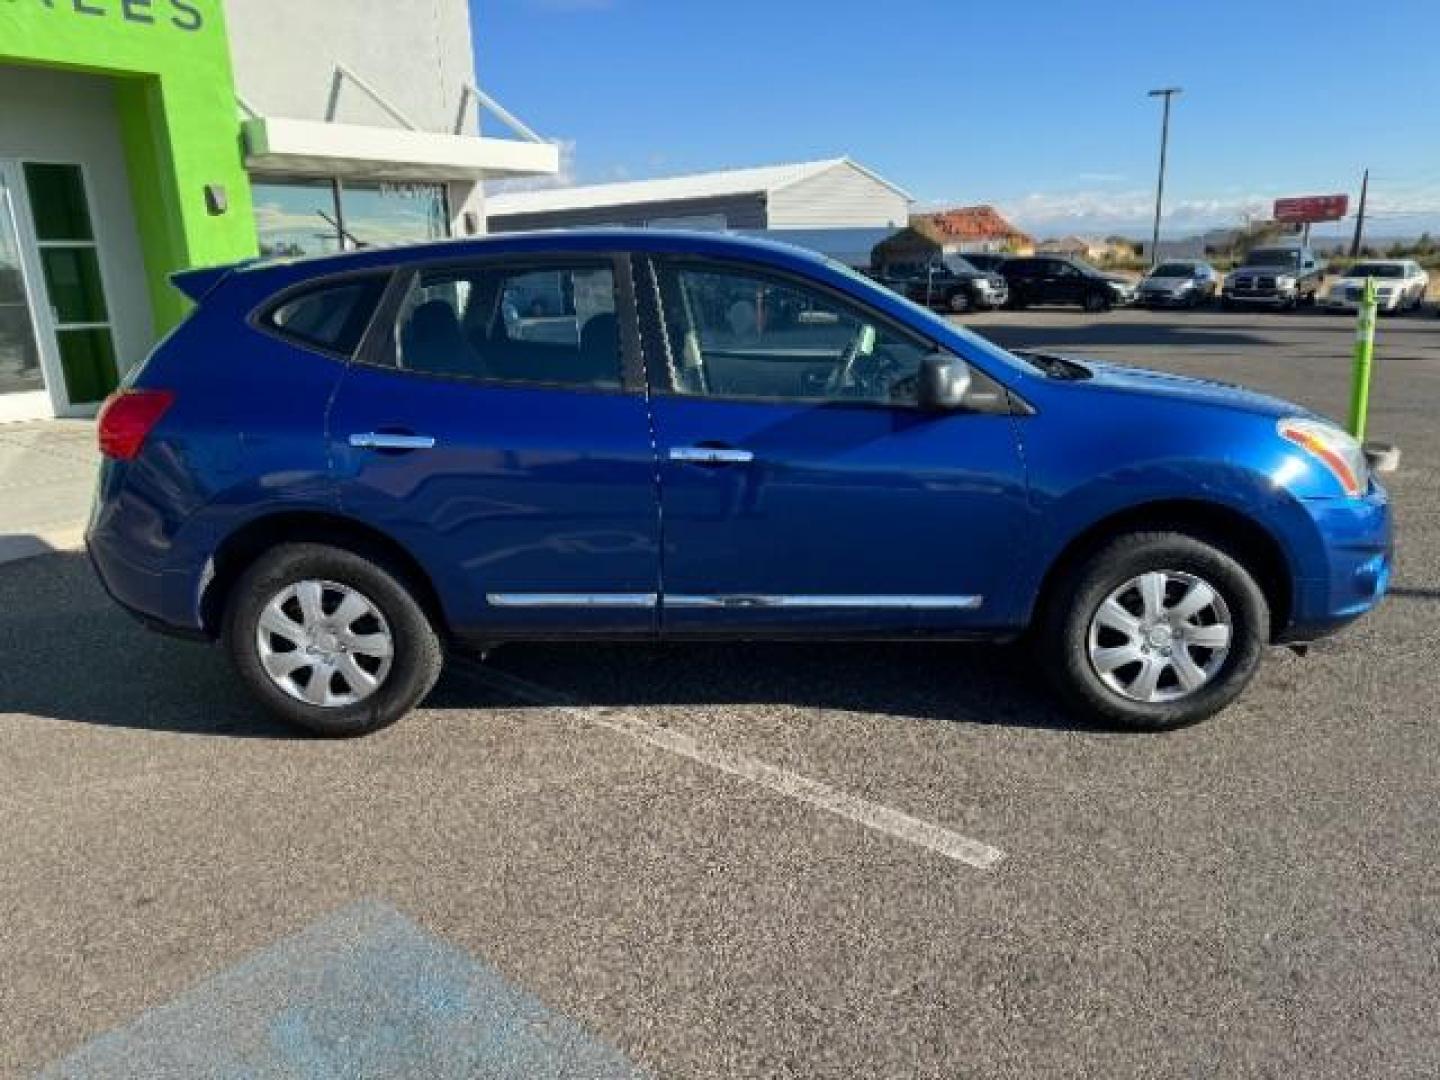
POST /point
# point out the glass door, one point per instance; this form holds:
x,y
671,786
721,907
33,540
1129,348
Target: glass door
x,y
22,379
70,267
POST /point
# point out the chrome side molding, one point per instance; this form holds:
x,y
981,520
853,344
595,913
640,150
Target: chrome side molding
x,y
710,455
839,602
380,440
735,601
572,600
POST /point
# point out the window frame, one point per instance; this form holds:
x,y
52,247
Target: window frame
x,y
261,317
377,349
657,343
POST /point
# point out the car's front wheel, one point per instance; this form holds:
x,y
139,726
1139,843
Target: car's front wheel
x,y
958,302
1096,301
1154,631
331,640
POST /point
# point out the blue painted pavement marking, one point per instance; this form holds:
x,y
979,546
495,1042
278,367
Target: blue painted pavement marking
x,y
364,993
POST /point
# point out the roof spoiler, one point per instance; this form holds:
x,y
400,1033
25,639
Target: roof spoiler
x,y
198,284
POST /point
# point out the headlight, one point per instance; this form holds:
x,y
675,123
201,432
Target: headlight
x,y
1285,281
1184,286
1333,448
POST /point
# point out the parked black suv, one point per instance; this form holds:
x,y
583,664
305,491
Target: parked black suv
x,y
1046,279
952,284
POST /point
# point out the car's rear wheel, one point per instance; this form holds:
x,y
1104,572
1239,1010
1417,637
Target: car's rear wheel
x,y
331,640
1154,631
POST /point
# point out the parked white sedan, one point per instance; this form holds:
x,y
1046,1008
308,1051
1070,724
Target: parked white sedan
x,y
1400,285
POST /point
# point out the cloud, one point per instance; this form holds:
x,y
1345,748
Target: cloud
x,y
1130,211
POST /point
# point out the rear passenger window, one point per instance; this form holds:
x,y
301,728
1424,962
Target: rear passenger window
x,y
548,325
331,317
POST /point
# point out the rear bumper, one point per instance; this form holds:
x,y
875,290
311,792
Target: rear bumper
x,y
131,546
1353,574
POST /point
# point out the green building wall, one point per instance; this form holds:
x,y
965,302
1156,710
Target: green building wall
x,y
180,125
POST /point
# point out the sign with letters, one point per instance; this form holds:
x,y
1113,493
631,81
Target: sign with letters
x,y
1306,209
187,15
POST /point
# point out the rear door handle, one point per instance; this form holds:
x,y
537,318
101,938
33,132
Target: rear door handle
x,y
385,440
711,455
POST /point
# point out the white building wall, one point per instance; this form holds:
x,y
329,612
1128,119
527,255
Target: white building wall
x,y
417,54
842,197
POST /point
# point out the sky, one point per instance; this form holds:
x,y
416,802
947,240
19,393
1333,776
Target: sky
x,y
1036,106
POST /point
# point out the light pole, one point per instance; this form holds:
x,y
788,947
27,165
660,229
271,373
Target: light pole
x,y
1167,93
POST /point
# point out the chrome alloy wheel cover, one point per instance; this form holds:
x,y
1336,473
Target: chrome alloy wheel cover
x,y
1160,637
324,643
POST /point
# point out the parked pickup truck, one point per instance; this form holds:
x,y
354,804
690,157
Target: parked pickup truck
x,y
1279,277
952,284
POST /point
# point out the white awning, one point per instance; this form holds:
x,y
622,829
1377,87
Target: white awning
x,y
277,145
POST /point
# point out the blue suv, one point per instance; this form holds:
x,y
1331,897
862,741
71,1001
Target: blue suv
x,y
341,467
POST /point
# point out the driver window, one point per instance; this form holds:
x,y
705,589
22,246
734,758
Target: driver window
x,y
748,334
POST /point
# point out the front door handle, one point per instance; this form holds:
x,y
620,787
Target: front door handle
x,y
387,440
711,455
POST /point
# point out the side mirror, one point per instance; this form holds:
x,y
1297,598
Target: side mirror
x,y
944,381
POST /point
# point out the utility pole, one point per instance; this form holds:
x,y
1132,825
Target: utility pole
x,y
1167,93
1360,217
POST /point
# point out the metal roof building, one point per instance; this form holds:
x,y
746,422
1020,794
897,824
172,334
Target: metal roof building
x,y
831,194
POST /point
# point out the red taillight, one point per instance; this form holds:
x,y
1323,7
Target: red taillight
x,y
127,419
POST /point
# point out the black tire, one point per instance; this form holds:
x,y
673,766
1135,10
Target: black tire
x,y
1062,643
417,653
1095,302
1226,305
958,302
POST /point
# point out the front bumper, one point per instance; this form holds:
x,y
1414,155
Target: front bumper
x,y
1353,572
1165,299
992,298
1346,303
1262,297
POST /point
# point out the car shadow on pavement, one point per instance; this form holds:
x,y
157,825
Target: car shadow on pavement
x,y
70,654
923,680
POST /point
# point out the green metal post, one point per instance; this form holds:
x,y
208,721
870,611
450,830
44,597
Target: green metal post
x,y
1364,355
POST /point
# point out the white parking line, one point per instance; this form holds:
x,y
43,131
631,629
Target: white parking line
x,y
872,815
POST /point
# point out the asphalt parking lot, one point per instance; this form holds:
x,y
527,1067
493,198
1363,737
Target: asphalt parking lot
x,y
723,861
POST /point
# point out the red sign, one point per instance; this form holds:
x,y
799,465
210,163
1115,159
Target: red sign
x,y
1310,208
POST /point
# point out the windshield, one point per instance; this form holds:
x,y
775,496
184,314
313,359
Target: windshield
x,y
957,265
1376,270
1173,270
1272,257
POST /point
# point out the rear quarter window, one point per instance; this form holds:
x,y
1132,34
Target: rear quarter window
x,y
330,316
